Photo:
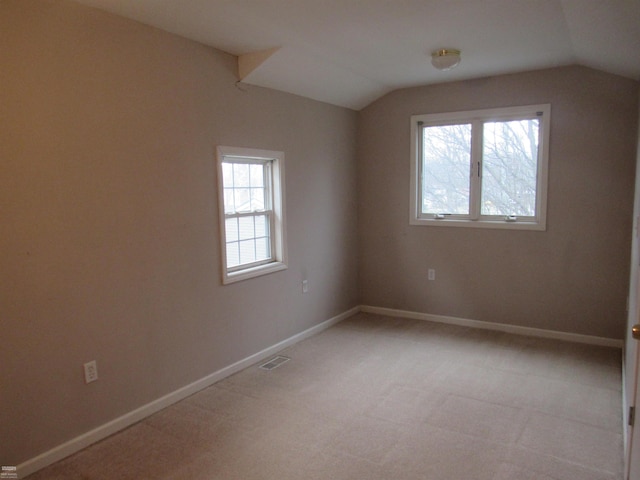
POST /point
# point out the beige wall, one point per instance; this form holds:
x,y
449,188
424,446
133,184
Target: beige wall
x,y
109,221
572,277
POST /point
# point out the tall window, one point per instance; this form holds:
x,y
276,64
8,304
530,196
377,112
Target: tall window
x,y
251,186
484,168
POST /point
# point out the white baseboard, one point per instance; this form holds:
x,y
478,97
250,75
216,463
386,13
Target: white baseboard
x,y
76,444
502,327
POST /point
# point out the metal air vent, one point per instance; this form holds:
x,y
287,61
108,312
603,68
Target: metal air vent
x,y
274,362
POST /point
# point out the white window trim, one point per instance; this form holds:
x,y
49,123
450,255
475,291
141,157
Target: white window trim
x,y
278,233
537,223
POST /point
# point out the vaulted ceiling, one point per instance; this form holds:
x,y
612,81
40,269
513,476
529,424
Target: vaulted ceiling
x,y
350,52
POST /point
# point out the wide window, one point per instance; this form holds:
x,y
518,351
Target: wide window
x,y
485,168
251,198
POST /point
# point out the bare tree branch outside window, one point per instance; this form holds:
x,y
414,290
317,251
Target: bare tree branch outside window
x,y
509,168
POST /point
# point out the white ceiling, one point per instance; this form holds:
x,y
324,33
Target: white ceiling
x,y
350,52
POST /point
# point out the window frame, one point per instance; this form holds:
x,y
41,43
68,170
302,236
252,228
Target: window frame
x,y
273,209
477,118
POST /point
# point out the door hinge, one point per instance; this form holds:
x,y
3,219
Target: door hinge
x,y
632,416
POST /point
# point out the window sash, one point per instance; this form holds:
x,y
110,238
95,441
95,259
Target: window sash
x,y
268,236
476,165
266,185
229,185
424,172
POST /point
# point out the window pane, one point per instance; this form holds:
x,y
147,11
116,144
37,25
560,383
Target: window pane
x,y
229,205
262,226
247,251
227,175
233,255
231,229
257,175
262,249
446,164
242,199
240,175
245,228
257,199
509,168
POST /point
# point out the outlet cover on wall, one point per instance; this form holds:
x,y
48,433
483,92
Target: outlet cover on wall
x,y
90,371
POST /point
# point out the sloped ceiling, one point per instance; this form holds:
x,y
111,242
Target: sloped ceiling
x,y
350,52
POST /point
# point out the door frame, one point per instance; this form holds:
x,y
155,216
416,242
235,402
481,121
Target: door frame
x,y
631,355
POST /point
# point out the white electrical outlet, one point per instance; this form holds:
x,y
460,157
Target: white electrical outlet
x,y
90,371
305,286
431,274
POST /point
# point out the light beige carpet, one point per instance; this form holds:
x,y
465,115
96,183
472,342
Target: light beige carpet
x,y
385,398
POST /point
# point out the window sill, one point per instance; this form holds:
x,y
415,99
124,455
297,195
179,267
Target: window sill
x,y
495,224
253,272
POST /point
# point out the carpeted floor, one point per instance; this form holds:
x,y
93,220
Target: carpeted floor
x,y
385,398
